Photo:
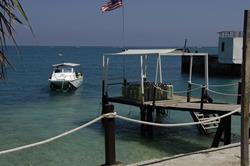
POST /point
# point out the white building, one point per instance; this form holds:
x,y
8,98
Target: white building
x,y
230,47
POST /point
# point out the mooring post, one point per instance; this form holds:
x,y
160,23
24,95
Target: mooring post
x,y
219,132
104,97
189,91
227,130
239,93
154,96
245,91
143,118
109,127
150,119
202,97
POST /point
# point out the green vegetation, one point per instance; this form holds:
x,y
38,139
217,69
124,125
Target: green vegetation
x,y
11,12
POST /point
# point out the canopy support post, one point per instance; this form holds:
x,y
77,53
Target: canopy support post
x,y
142,81
104,73
189,89
156,70
206,71
105,65
190,69
160,70
145,67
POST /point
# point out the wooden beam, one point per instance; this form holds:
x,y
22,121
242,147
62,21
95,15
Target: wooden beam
x,y
245,91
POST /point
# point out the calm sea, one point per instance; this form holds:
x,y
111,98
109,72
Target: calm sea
x,y
30,112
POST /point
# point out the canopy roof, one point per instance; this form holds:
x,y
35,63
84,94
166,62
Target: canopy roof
x,y
164,52
66,65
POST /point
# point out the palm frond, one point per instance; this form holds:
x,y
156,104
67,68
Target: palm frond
x,y
10,11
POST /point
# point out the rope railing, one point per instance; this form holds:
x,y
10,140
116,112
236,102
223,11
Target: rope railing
x,y
112,115
177,124
192,83
56,137
218,85
177,92
185,91
225,85
224,94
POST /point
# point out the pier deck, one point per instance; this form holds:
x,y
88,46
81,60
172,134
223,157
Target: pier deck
x,y
180,103
195,107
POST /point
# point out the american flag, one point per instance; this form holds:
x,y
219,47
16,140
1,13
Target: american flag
x,y
111,5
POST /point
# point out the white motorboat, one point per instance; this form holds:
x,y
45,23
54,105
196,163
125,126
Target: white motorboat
x,y
65,77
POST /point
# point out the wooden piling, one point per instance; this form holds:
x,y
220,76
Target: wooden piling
x,y
109,126
239,93
143,118
150,119
189,91
202,97
104,97
223,129
227,130
245,91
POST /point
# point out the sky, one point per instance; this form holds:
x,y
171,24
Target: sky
x,y
146,22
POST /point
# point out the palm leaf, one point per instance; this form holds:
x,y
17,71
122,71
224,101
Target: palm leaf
x,y
22,12
8,14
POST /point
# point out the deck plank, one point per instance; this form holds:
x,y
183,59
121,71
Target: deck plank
x,y
180,103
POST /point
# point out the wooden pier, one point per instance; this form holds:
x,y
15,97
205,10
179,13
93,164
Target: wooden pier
x,y
156,96
205,107
179,103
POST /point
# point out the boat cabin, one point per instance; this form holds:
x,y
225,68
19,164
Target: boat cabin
x,y
64,67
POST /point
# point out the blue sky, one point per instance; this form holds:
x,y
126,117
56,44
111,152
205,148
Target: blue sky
x,y
147,22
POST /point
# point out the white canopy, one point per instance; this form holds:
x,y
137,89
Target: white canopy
x,y
143,65
162,52
66,64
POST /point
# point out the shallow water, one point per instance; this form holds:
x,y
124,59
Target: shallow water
x,y
30,112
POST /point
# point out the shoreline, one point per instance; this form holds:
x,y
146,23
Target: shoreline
x,y
226,155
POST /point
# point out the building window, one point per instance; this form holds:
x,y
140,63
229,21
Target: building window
x,y
222,47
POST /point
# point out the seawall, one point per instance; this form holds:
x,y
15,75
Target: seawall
x,y
215,68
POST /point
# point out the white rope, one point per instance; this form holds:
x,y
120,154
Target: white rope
x,y
196,84
221,85
194,89
109,115
225,94
224,85
179,124
112,115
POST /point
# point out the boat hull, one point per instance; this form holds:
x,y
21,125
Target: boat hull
x,y
65,84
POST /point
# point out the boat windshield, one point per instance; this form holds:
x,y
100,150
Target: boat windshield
x,y
57,70
67,70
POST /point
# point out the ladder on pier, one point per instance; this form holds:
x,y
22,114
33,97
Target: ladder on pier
x,y
206,127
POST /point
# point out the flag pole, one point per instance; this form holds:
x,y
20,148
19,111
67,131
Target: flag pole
x,y
123,28
123,41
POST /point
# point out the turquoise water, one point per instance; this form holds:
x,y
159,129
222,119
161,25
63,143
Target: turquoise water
x,y
30,112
